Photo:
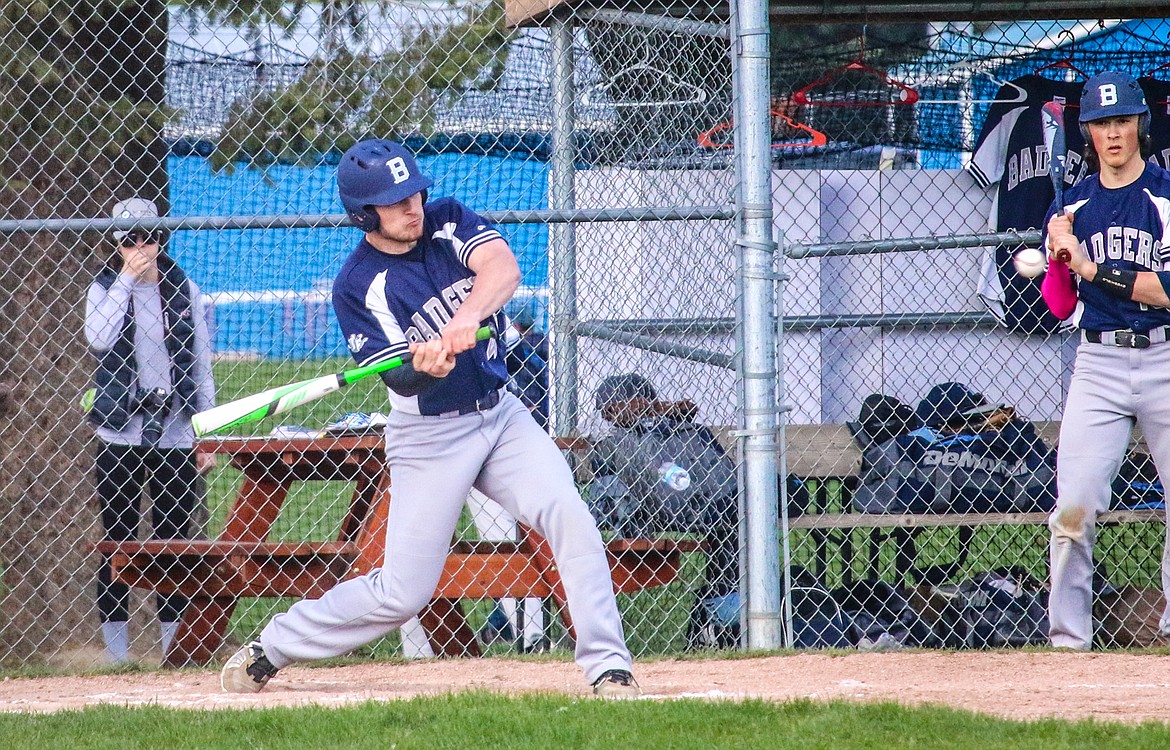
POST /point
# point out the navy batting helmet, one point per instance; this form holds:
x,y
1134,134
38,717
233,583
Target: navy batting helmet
x,y
377,172
1113,94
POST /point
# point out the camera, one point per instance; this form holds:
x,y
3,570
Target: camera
x,y
153,404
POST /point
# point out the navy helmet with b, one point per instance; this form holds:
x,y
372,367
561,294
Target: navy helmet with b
x,y
377,172
1113,94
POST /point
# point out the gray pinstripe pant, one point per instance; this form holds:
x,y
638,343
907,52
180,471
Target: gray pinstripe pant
x,y
434,462
1111,389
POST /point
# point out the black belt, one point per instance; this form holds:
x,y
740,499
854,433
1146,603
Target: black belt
x,y
483,404
1127,338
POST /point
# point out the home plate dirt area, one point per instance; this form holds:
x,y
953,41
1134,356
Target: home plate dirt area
x,y
1109,686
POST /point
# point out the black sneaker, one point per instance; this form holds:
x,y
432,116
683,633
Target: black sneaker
x,y
617,684
247,671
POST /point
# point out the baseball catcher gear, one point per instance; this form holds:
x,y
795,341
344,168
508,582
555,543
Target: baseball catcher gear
x,y
377,172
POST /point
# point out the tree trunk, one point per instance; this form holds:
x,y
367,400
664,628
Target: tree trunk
x,y
61,159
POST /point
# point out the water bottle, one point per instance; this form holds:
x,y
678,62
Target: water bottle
x,y
674,476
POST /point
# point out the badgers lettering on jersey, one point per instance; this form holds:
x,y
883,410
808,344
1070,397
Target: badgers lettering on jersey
x,y
1125,243
1032,161
439,311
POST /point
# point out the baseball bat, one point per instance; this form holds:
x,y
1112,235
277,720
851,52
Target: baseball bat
x,y
282,398
1052,119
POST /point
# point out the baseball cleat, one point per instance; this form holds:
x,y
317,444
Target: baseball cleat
x,y
616,684
247,671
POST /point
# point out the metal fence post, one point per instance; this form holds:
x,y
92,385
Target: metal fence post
x,y
562,238
758,360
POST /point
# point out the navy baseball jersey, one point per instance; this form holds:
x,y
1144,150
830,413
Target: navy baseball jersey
x,y
1010,153
1158,99
1126,228
386,302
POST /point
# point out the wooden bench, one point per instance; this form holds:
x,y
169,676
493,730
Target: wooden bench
x,y
828,459
244,562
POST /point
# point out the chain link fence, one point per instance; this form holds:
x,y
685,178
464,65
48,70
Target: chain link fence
x,y
602,144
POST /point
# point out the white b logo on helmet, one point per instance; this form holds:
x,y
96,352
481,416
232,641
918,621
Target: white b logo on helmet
x,y
398,170
1108,95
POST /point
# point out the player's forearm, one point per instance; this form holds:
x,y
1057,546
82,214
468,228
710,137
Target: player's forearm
x,y
1146,287
1058,290
1150,289
407,381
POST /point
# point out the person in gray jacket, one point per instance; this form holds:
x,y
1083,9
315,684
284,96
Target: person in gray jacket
x,y
145,324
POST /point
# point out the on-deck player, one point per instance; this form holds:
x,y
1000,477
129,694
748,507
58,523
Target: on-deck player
x,y
1116,227
426,276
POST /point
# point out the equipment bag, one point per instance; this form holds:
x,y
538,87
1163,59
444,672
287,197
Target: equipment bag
x,y
1008,470
1137,485
881,613
994,609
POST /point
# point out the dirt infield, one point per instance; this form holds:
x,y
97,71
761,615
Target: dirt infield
x,y
1115,687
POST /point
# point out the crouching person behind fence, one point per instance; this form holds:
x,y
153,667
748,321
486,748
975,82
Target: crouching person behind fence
x,y
658,472
144,322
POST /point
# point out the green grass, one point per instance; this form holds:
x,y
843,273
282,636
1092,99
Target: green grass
x,y
479,720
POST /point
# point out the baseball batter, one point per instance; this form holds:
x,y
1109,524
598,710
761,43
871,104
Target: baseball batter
x,y
426,276
1115,225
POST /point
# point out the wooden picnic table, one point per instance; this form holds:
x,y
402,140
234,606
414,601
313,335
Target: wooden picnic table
x,y
244,561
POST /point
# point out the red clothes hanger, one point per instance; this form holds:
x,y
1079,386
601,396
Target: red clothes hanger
x,y
1153,73
1066,63
904,94
817,138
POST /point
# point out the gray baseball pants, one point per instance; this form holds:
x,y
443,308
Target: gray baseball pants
x,y
1111,388
434,462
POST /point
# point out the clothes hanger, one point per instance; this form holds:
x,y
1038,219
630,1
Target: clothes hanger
x,y
1019,95
1153,76
817,137
1153,73
1066,63
905,94
696,94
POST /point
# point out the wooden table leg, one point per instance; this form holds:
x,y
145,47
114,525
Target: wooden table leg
x,y
201,631
205,620
447,629
538,547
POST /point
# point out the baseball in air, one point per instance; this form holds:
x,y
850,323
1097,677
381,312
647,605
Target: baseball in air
x,y
1030,262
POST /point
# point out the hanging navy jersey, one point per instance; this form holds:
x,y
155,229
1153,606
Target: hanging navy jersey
x,y
1126,228
1010,153
1158,98
386,302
